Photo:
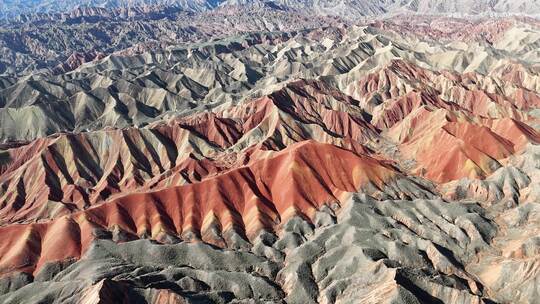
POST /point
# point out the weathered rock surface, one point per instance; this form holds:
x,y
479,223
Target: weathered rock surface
x,y
396,162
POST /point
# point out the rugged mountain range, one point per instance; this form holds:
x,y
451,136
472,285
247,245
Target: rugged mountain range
x,y
127,89
14,9
390,162
47,41
349,8
269,152
60,42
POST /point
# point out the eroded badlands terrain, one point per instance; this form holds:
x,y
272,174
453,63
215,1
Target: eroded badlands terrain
x,y
395,161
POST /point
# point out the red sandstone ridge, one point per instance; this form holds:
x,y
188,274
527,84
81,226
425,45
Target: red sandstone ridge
x,y
58,175
269,190
461,116
471,147
77,59
395,110
447,28
402,86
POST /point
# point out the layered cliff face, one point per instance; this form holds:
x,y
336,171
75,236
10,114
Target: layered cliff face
x,y
358,163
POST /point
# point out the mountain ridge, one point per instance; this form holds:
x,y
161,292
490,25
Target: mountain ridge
x,y
269,153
